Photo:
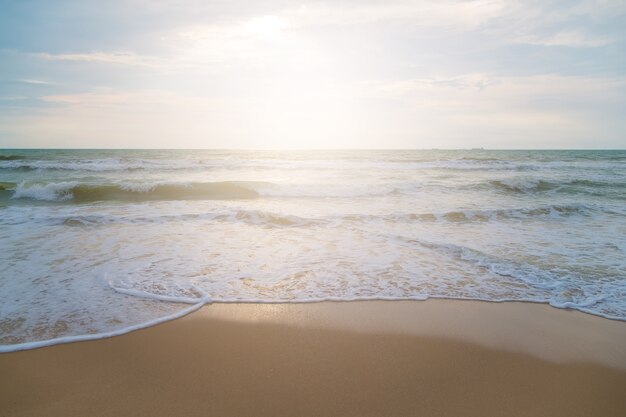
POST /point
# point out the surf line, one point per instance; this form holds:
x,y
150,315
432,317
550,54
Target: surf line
x,y
197,303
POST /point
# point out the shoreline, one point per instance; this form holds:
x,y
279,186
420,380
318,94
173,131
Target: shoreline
x,y
218,309
435,357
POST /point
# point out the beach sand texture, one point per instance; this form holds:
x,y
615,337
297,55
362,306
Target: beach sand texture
x,y
433,358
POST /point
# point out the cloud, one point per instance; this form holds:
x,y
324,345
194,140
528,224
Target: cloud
x,y
118,99
446,13
281,32
113,58
252,41
295,37
572,39
248,74
37,82
501,91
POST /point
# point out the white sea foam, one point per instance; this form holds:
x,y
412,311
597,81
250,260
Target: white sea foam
x,y
99,165
47,192
101,249
95,336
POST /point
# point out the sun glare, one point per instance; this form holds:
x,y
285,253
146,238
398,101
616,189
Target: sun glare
x,y
268,27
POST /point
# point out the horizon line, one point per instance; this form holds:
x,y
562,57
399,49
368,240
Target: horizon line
x,y
319,149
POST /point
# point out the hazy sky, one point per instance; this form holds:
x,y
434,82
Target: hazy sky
x,y
321,74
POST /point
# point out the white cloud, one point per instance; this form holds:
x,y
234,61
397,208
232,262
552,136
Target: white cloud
x,y
459,15
262,38
109,98
114,58
339,74
567,38
40,82
499,92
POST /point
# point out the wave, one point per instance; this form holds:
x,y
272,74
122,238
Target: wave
x,y
263,218
99,165
226,190
459,216
532,185
251,217
596,184
555,210
196,304
137,192
530,274
258,162
80,193
7,186
522,186
564,289
271,219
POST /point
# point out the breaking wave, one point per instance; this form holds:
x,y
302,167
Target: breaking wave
x,y
7,186
533,185
522,186
138,192
10,157
223,190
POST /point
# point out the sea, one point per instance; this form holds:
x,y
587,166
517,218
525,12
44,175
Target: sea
x,y
95,243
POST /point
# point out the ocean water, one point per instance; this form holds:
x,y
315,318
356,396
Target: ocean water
x,y
98,242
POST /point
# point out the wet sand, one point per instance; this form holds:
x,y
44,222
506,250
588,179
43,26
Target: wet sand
x,y
433,358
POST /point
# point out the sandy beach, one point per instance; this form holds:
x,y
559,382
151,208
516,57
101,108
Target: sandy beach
x,y
380,208
433,358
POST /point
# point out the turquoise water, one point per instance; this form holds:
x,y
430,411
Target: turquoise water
x,y
95,242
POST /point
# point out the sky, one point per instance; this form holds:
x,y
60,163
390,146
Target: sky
x,y
321,74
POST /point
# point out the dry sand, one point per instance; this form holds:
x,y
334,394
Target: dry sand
x,y
433,358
